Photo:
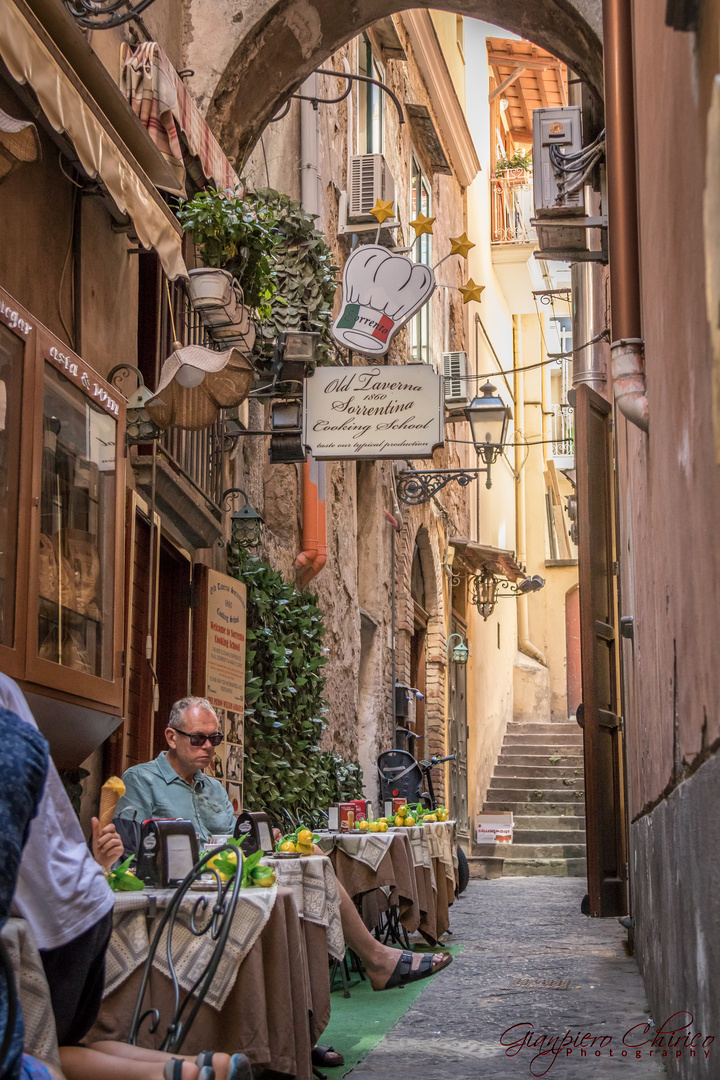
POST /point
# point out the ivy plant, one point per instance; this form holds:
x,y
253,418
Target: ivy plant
x,y
233,234
305,274
519,160
286,773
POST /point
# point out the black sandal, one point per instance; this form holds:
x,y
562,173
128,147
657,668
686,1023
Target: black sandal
x,y
404,972
327,1056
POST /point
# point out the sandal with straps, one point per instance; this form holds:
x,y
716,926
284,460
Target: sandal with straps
x,y
172,1070
405,973
327,1056
240,1067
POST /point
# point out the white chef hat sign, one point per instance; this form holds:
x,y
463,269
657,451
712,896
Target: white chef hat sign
x,y
381,293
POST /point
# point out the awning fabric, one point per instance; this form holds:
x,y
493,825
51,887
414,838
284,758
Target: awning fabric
x,y
499,560
161,101
70,110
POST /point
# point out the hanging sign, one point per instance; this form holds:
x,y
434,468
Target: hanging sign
x,y
373,412
381,292
218,668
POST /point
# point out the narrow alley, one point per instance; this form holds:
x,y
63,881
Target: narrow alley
x,y
531,965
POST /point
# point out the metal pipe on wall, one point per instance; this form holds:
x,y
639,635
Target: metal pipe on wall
x,y
627,349
524,643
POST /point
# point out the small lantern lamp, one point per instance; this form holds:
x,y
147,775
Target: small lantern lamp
x,y
460,652
488,417
246,523
485,592
140,428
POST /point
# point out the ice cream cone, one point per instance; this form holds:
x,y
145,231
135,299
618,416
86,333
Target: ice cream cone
x,y
110,794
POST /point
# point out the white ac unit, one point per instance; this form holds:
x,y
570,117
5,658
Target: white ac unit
x,y
456,371
370,179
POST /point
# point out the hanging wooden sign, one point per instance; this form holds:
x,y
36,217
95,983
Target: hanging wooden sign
x,y
373,412
381,293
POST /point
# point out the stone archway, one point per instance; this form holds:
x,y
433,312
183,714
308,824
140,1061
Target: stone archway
x,y
266,50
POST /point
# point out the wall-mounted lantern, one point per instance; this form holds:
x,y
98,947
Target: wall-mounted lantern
x,y
460,652
140,428
485,586
488,417
246,523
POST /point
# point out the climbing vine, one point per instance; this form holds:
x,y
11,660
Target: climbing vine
x,y
285,770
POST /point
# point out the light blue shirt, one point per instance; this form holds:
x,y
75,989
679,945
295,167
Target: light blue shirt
x,y
155,790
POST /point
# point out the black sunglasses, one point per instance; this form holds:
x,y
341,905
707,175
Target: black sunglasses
x,y
198,739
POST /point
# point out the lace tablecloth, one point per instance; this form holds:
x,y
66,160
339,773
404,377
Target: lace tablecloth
x,y
367,848
427,842
314,887
130,940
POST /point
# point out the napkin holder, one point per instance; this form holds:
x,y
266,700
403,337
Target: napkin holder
x,y
168,852
255,828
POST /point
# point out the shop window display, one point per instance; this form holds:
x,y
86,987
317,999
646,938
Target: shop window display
x,y
11,376
77,529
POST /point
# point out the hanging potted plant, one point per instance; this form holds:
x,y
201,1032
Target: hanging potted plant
x,y
235,243
514,167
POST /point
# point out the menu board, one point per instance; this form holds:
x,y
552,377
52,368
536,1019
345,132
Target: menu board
x,y
218,669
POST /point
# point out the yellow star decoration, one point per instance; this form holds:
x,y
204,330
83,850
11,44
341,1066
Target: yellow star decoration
x,y
471,291
460,245
422,224
382,210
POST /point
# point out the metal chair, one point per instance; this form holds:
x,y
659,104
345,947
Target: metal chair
x,y
218,926
399,773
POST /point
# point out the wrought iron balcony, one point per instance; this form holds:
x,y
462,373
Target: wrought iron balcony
x,y
512,208
563,431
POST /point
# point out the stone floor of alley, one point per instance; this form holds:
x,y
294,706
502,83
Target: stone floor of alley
x,y
514,930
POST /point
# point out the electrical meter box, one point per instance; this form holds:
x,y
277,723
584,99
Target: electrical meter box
x,y
560,128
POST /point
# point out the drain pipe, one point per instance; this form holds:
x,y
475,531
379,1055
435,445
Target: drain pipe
x,y
524,643
627,348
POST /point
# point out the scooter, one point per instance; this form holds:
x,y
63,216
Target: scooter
x,y
402,776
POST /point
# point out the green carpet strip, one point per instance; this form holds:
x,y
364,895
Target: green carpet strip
x,y
358,1023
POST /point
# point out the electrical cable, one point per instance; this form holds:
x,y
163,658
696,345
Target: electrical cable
x,y
70,337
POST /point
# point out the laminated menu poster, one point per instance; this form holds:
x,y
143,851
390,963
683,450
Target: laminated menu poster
x,y
218,669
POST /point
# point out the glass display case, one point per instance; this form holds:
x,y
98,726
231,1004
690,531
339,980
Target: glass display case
x,y
62,487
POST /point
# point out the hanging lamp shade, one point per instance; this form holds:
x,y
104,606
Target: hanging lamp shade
x,y
196,382
19,143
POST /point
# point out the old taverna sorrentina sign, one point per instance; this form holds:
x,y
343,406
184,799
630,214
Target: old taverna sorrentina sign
x,y
373,412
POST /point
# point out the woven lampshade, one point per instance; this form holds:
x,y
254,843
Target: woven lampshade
x,y
227,378
19,142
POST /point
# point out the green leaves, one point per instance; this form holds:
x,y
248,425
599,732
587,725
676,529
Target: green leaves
x,y
122,880
285,771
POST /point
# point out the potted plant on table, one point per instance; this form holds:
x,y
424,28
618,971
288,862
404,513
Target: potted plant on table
x,y
515,166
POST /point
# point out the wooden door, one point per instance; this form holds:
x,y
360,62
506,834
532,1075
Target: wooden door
x,y
458,740
598,714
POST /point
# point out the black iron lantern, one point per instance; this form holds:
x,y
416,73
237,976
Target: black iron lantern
x,y
246,523
484,592
488,417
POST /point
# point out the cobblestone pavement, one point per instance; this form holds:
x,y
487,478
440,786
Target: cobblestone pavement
x,y
520,929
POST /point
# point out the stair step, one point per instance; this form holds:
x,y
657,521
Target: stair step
x,y
535,744
544,868
548,836
539,783
531,822
530,851
544,769
516,727
509,756
485,868
514,801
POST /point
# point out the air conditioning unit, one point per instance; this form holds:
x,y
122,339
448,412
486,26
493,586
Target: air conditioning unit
x,y
370,179
457,388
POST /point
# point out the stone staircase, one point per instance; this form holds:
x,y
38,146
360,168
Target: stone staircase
x,y
539,776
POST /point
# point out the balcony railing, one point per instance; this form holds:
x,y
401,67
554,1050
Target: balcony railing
x,y
512,208
563,431
199,455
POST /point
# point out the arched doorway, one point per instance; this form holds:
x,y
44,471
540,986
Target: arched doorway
x,y
278,43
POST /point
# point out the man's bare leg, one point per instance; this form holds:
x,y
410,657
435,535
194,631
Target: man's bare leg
x,y
379,960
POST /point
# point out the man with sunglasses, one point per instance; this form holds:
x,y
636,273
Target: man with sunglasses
x,y
174,785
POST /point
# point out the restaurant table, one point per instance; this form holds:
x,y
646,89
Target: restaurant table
x,y
270,998
413,868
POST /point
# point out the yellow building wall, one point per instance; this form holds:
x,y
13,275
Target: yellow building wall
x,y
450,35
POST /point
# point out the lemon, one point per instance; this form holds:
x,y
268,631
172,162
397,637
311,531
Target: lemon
x,y
304,837
305,849
375,825
402,811
399,820
430,817
383,826
409,821
363,826
287,845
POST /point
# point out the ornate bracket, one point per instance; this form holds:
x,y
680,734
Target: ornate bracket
x,y
415,486
105,14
